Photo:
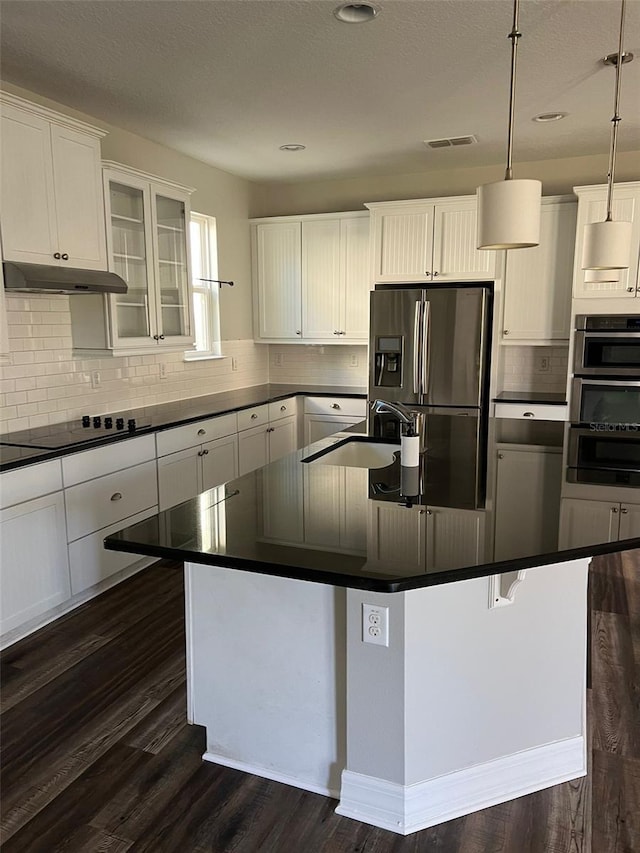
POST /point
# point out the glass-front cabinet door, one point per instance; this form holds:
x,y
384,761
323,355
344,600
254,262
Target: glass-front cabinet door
x,y
148,246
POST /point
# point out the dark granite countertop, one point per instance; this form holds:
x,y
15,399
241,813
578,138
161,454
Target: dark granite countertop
x,y
382,529
37,445
550,398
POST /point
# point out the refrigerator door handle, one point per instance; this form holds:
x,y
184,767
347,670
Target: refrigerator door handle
x,y
425,346
417,348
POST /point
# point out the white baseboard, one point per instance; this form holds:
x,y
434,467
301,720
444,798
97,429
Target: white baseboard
x,y
409,808
274,775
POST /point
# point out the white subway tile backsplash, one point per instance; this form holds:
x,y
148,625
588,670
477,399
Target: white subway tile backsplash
x,y
521,373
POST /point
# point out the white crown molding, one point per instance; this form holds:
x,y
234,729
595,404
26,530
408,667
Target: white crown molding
x,y
146,176
6,98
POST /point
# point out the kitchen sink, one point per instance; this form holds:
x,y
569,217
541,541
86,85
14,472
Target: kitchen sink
x,y
357,453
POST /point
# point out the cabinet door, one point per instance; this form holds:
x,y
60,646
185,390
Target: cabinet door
x,y
34,569
611,283
355,258
323,490
629,521
396,536
455,256
527,502
130,244
179,477
320,426
283,438
173,269
253,449
321,291
587,522
28,201
455,537
403,243
219,461
78,198
537,305
277,271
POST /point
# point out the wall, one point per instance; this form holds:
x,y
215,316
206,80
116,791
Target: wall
x,y
521,369
319,365
218,194
557,176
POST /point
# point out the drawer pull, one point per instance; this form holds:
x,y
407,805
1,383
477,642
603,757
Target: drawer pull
x,y
528,415
624,510
253,416
335,405
116,496
202,432
205,452
283,408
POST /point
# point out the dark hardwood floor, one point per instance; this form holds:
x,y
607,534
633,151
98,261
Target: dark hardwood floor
x,y
97,755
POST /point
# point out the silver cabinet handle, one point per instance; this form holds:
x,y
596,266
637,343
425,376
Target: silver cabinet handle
x,y
205,452
201,453
202,432
298,332
630,289
500,455
335,406
116,496
336,332
528,415
436,274
624,510
283,408
253,416
505,332
65,257
57,255
614,509
426,272
429,512
271,429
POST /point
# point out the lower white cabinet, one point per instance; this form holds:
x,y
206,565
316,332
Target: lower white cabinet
x,y
527,500
585,522
535,412
34,566
324,416
267,433
183,475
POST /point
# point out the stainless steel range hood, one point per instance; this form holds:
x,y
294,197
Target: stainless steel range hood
x,y
37,278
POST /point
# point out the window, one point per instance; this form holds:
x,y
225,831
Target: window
x,y
204,265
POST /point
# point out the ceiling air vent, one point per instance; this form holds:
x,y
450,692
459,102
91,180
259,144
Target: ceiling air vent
x,y
450,142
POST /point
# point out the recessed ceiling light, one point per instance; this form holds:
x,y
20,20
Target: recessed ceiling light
x,y
292,146
356,13
545,117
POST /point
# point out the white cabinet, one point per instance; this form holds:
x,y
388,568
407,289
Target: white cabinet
x,y
274,435
533,411
196,457
311,280
324,416
586,522
34,566
52,202
148,241
527,500
592,207
537,300
429,240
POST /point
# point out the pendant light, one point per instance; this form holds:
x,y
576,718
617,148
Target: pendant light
x,y
508,210
607,245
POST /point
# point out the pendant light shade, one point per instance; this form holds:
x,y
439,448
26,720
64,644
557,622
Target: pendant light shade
x,y
607,245
508,210
509,214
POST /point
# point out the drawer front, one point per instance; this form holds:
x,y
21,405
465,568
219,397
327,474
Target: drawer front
x,y
97,504
283,409
30,482
190,435
248,418
538,412
335,406
90,562
105,460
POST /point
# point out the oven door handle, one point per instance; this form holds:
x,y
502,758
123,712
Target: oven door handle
x,y
617,335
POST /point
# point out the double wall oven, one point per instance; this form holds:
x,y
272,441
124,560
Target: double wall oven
x,y
604,446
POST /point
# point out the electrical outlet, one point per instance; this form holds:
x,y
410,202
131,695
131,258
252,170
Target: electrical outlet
x,y
543,364
353,361
163,370
375,624
95,379
234,363
277,359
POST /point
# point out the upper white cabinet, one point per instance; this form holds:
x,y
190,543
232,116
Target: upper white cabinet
x,y
148,242
430,240
311,278
592,207
537,301
52,201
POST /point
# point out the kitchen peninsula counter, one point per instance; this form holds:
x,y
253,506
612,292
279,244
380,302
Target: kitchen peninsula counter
x,y
463,688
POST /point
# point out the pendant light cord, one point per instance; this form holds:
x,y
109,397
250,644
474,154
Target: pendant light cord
x,y
514,35
615,121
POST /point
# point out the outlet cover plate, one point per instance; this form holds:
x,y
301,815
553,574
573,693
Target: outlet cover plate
x,y
375,624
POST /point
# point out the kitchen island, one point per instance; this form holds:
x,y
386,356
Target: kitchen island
x,y
355,635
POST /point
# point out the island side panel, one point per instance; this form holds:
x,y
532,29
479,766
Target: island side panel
x,y
493,700
266,671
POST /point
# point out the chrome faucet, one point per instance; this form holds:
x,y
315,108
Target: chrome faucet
x,y
407,418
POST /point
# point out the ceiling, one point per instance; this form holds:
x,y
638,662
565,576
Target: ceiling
x,y
229,81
